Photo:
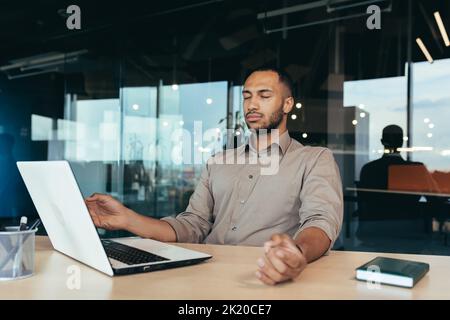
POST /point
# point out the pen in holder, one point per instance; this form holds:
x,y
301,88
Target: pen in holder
x,y
16,253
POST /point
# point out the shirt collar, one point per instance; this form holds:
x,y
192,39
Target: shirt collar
x,y
283,143
395,154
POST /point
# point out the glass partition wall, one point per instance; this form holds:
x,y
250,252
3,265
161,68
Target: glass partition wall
x,y
138,100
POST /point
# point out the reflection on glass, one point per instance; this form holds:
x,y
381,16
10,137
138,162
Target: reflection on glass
x,y
431,113
92,133
41,128
384,99
166,142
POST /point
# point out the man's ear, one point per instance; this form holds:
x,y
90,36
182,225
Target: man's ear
x,y
288,104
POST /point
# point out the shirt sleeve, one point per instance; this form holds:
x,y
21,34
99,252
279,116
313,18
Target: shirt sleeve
x,y
321,197
194,224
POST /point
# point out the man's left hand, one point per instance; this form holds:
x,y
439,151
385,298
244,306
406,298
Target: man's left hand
x,y
282,261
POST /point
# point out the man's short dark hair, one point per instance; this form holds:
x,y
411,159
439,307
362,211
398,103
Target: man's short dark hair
x,y
283,77
392,136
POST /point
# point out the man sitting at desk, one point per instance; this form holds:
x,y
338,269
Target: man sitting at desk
x,y
298,209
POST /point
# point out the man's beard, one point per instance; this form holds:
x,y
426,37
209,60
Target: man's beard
x,y
274,122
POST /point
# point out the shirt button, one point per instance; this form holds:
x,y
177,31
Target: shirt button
x,y
234,228
250,176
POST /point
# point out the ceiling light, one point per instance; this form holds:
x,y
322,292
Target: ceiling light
x,y
415,149
204,150
441,26
424,50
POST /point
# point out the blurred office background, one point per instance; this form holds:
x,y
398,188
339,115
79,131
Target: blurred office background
x,y
111,98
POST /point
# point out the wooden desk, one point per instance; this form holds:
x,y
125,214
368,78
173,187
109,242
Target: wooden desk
x,y
228,275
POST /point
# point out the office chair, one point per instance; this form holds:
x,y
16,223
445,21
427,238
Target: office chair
x,y
385,219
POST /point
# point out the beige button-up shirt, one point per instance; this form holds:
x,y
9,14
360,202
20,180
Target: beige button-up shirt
x,y
239,204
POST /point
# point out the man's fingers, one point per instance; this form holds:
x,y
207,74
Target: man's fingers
x,y
91,208
94,216
281,266
277,263
261,276
277,258
267,246
95,220
279,239
97,197
99,222
93,197
276,238
266,267
283,260
274,241
288,252
292,259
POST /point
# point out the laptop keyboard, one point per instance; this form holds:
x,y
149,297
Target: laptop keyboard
x,y
129,255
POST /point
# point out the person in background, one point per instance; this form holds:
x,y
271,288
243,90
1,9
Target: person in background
x,y
374,174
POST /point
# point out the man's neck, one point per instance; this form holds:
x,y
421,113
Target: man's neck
x,y
265,140
391,153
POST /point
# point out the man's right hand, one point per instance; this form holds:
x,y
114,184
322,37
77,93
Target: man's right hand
x,y
107,212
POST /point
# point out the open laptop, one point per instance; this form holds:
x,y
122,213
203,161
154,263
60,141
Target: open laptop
x,y
61,207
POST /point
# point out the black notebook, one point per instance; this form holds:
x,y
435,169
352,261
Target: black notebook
x,y
397,272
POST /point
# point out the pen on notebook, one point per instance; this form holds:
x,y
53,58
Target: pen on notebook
x,y
23,223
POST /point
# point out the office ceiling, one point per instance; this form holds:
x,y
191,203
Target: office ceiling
x,y
153,36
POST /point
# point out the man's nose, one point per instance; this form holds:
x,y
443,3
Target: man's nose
x,y
253,105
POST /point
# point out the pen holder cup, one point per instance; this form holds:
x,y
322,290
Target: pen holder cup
x,y
16,253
